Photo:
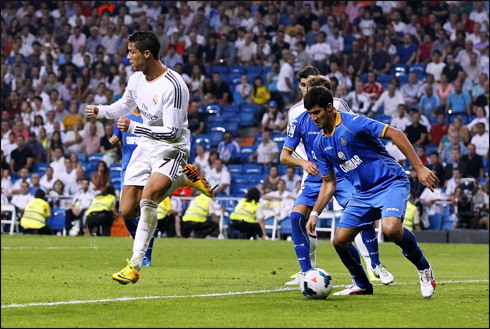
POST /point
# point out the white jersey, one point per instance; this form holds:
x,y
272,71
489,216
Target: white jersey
x,y
299,108
163,104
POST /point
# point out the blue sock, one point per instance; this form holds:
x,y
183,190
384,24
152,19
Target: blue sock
x,y
301,240
412,251
351,259
370,240
131,225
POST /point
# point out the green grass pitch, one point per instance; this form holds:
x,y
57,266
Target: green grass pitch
x,y
54,282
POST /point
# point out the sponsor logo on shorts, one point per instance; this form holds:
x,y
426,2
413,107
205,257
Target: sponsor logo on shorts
x,y
392,209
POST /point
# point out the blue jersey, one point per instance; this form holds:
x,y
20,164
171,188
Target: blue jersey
x,y
354,148
129,141
303,129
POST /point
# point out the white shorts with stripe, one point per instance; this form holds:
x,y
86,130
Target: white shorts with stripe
x,y
149,158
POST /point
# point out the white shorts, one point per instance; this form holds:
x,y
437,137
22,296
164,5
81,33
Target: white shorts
x,y
149,158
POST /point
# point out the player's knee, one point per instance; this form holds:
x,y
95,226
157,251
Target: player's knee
x,y
340,244
393,230
129,212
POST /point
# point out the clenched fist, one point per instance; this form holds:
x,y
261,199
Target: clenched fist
x,y
123,124
91,111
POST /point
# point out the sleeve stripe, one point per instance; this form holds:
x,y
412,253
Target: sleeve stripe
x,y
178,96
330,173
163,136
384,131
179,102
287,148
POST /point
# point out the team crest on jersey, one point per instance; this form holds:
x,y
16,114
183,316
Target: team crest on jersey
x,y
341,155
343,141
291,130
155,99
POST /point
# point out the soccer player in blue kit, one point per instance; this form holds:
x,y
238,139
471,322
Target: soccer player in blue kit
x,y
299,140
351,144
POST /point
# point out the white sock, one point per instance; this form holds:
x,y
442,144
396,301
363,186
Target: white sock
x,y
364,252
146,228
313,244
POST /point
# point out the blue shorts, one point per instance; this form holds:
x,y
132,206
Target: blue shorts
x,y
390,202
309,193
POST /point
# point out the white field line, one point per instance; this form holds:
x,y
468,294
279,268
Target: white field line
x,y
125,299
46,248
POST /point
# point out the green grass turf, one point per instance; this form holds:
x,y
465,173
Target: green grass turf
x,y
80,270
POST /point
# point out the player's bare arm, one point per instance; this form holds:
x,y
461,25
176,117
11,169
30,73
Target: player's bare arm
x,y
326,193
426,176
287,158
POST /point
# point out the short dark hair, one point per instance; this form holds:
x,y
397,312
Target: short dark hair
x,y
146,40
320,96
307,71
253,194
40,194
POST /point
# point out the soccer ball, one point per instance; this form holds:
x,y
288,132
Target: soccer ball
x,y
316,284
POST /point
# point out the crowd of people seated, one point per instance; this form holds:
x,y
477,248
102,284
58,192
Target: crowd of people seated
x,y
421,67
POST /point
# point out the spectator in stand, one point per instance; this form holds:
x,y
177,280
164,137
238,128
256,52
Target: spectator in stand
x,y
357,99
463,57
219,176
480,140
202,160
172,58
38,151
473,69
220,90
390,99
407,51
271,121
440,43
290,179
454,161
478,88
444,89
416,132
243,90
80,203
411,90
462,130
453,180
271,182
91,141
195,119
451,69
21,157
68,177
473,162
229,150
266,152
21,200
438,130
374,89
424,50
459,101
260,93
483,100
48,179
74,137
380,61
23,177
436,166
402,121
430,103
247,53
357,58
436,67
480,118
101,178
285,81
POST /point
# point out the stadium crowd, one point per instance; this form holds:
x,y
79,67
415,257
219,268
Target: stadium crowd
x,y
422,67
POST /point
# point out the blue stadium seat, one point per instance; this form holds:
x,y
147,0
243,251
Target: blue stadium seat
x,y
214,108
216,135
227,78
364,77
249,108
464,118
116,182
383,118
82,157
204,140
233,108
282,169
40,168
232,125
419,69
221,69
255,179
95,157
237,98
246,118
245,152
235,169
348,40
384,78
56,221
214,119
237,69
285,226
238,191
239,180
257,70
251,168
399,69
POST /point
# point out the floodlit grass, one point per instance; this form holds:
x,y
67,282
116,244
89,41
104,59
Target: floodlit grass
x,y
193,280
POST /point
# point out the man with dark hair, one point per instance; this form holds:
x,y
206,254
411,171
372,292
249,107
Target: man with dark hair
x,y
36,214
156,167
351,144
21,157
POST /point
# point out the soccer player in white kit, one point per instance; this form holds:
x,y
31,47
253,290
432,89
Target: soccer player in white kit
x,y
156,167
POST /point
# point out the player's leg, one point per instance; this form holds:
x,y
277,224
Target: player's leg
x,y
196,181
392,212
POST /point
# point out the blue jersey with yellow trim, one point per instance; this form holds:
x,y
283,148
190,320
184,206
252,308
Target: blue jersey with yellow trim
x,y
303,129
354,148
129,142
